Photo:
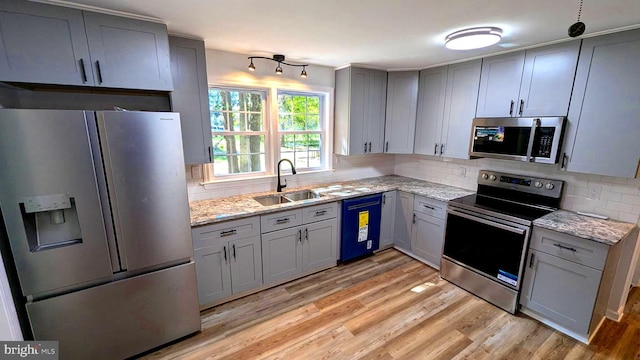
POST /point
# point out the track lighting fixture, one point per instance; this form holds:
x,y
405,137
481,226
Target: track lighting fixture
x,y
280,60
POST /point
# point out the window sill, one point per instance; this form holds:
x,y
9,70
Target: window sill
x,y
208,185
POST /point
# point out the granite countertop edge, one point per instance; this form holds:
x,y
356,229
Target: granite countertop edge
x,y
203,213
608,232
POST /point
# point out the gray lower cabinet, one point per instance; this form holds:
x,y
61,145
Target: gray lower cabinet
x,y
56,45
403,220
387,219
427,231
562,280
606,87
228,258
290,250
190,98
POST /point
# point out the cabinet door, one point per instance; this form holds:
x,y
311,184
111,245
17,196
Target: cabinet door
x,y
560,290
246,264
603,126
376,103
500,85
43,44
320,241
547,79
387,219
460,106
403,220
281,255
357,106
427,238
431,97
402,99
212,273
190,98
128,53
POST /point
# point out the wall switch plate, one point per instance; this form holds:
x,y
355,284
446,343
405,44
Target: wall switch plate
x,y
594,191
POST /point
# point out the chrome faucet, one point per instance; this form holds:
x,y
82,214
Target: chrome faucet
x,y
293,171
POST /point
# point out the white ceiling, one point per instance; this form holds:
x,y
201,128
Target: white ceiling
x,y
387,34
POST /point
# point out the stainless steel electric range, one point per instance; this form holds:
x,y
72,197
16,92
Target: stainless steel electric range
x,y
487,234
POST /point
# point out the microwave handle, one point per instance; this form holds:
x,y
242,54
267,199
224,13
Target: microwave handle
x,y
534,129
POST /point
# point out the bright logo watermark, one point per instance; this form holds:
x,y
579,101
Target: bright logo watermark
x,y
29,350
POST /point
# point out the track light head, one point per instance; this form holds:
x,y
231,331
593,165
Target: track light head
x,y
251,66
279,70
303,74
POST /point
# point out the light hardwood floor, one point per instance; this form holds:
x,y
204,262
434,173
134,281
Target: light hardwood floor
x,y
388,306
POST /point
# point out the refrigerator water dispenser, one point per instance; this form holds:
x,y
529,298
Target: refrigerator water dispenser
x,y
50,221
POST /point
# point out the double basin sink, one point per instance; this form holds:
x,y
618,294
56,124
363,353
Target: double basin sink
x,y
275,199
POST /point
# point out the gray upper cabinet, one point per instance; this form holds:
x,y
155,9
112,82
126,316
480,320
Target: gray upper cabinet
x,y
431,96
603,126
56,45
43,44
190,99
402,97
128,53
535,82
360,111
459,108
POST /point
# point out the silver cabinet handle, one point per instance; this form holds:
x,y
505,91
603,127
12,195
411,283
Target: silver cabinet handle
x,y
435,149
228,232
224,249
282,221
300,235
428,207
321,212
511,108
521,106
565,247
234,251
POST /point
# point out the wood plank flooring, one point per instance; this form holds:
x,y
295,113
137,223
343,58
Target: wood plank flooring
x,y
388,306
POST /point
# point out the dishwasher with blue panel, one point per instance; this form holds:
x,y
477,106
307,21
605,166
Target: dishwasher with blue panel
x,y
360,226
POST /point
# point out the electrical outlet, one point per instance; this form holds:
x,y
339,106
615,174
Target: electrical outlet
x,y
462,171
594,191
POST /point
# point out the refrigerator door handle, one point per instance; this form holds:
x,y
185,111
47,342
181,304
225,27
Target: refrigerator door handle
x,y
114,253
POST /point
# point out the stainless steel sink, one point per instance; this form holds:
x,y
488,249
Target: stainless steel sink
x,y
301,195
274,199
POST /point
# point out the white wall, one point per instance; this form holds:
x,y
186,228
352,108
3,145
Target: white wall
x,y
9,326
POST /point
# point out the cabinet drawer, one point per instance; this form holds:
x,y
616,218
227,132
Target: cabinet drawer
x,y
319,212
581,251
280,220
434,208
226,231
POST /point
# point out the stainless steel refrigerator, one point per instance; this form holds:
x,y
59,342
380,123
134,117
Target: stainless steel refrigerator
x,y
95,207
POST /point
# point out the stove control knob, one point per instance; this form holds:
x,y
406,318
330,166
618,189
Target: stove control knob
x,y
492,177
537,184
485,176
549,186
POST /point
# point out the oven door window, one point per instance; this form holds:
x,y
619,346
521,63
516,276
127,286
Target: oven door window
x,y
494,251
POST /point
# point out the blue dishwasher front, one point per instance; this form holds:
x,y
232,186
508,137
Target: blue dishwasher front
x,y
360,226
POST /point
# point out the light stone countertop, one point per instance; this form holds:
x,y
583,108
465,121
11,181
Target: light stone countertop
x,y
211,211
608,232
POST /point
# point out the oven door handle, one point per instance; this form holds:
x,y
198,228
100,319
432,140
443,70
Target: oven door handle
x,y
490,223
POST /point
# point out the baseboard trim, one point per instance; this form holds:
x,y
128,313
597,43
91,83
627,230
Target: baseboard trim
x,y
615,315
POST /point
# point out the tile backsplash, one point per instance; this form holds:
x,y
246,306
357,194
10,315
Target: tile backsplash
x,y
617,198
345,168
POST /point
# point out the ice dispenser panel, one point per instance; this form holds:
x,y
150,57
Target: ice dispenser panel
x,y
50,221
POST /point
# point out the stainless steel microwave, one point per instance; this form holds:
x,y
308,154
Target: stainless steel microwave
x,y
524,139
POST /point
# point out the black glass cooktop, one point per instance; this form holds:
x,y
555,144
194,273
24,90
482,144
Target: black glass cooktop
x,y
501,206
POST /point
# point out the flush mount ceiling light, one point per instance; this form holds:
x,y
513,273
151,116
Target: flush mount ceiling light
x,y
280,60
473,38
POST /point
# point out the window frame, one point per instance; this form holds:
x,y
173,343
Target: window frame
x,y
272,139
323,119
